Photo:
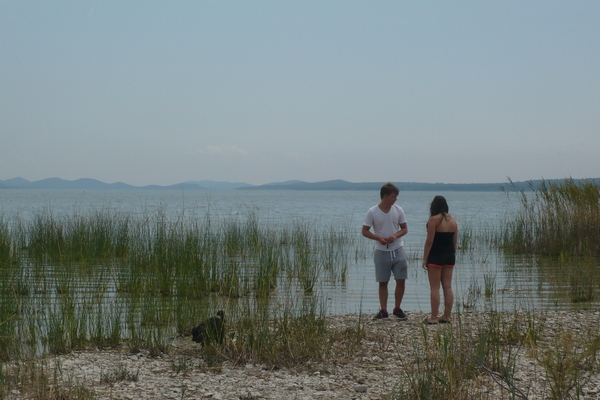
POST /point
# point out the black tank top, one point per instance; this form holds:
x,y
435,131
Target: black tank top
x,y
443,243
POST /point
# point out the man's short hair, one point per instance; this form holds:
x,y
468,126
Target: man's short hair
x,y
387,189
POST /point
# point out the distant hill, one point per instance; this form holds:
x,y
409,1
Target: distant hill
x,y
57,183
93,184
375,186
218,185
408,186
282,184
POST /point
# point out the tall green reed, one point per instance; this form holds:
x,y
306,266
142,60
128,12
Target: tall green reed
x,y
9,314
77,237
556,218
104,276
558,223
6,246
278,334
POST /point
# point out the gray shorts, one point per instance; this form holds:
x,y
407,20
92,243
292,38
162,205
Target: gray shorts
x,y
387,262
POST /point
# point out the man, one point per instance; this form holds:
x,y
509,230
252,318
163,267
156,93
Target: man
x,y
389,226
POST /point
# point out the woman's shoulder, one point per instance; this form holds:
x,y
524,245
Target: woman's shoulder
x,y
436,217
452,221
443,222
434,220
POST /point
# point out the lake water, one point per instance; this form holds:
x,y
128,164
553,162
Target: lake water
x,y
515,283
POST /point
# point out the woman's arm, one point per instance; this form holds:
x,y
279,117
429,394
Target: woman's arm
x,y
431,226
456,236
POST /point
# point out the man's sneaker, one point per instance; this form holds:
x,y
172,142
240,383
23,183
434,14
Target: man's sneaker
x,y
382,314
400,314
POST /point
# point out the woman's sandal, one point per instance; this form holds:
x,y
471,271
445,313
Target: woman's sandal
x,y
443,321
428,322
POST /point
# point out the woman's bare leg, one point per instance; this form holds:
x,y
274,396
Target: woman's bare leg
x,y
434,274
446,279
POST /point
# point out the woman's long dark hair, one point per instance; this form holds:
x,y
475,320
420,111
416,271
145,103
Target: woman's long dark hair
x,y
438,206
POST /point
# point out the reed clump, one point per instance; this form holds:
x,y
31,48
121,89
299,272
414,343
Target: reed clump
x,y
558,225
554,219
290,333
6,246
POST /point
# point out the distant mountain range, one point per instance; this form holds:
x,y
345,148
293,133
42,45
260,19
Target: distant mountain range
x,y
375,186
93,184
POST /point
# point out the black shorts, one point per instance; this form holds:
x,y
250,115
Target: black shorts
x,y
442,260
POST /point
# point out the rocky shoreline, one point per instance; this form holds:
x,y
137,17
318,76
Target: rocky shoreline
x,y
370,370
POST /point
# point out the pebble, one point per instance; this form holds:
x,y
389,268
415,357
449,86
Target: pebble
x,y
361,388
384,353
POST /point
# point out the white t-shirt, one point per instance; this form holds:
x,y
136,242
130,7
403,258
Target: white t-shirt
x,y
385,225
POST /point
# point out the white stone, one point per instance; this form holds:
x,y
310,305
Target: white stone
x,y
361,388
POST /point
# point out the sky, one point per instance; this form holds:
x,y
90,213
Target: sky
x,y
163,92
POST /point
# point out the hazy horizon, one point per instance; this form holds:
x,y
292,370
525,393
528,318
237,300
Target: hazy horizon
x,y
260,92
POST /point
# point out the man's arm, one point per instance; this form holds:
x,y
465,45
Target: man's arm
x,y
403,231
366,232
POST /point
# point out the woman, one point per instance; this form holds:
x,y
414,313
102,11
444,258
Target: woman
x,y
439,257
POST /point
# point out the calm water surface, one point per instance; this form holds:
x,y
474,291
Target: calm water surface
x,y
513,283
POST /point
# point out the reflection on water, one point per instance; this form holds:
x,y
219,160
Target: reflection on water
x,y
497,284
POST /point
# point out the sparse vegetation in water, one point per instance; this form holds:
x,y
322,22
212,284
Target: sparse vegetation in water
x,y
557,218
6,243
105,278
558,225
489,282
